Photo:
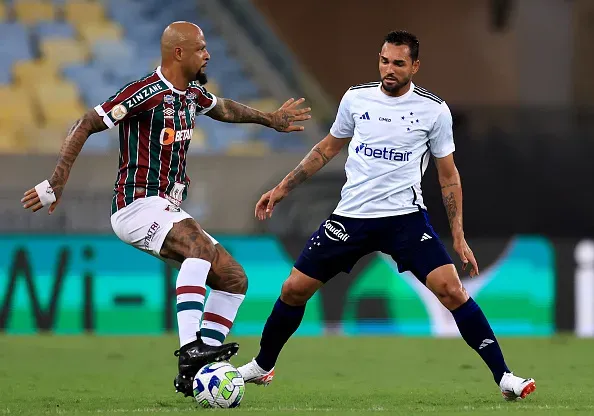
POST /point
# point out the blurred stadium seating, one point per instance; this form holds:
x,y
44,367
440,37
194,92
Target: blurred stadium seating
x,y
65,56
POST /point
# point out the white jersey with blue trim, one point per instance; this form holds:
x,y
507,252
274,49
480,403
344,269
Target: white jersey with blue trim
x,y
392,140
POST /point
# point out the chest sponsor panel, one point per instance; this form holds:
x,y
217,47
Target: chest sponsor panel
x,y
169,136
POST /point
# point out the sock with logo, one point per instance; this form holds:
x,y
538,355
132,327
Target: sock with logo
x,y
190,289
477,333
219,313
281,324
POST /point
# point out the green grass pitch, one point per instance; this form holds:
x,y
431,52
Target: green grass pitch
x,y
91,375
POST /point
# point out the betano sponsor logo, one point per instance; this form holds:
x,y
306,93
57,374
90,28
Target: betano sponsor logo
x,y
169,136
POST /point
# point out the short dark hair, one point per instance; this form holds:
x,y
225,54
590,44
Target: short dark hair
x,y
402,37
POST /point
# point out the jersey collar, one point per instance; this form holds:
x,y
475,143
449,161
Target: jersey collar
x,y
395,99
169,84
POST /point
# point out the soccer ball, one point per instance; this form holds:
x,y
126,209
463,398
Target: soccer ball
x,y
218,385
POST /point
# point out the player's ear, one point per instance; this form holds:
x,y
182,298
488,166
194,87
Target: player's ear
x,y
416,65
177,53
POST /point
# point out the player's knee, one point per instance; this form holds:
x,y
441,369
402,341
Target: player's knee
x,y
446,285
295,293
453,295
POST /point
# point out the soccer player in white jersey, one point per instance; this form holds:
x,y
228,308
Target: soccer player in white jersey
x,y
392,128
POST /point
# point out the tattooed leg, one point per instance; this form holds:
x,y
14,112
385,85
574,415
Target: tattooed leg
x,y
228,284
186,240
226,273
202,323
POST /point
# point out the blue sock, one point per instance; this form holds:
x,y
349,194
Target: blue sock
x,y
477,333
281,324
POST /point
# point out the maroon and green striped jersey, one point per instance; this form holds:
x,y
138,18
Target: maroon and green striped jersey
x,y
155,123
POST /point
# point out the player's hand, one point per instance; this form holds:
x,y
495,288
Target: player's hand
x,y
267,202
31,200
467,256
282,119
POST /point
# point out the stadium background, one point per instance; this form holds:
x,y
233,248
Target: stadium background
x,y
516,75
519,93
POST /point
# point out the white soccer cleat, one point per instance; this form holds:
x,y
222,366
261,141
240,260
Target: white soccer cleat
x,y
253,373
513,387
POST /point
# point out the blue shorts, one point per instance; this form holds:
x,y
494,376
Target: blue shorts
x,y
341,241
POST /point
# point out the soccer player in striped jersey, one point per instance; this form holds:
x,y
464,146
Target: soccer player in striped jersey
x,y
155,116
391,129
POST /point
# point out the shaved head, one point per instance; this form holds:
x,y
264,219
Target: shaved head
x,y
183,46
179,34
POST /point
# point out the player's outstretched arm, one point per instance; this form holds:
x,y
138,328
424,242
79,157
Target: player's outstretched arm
x,y
451,192
282,120
315,160
78,134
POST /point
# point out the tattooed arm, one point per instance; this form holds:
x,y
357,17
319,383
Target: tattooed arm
x,y
315,160
78,134
451,192
80,131
230,111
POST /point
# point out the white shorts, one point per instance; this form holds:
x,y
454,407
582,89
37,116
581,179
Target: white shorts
x,y
145,223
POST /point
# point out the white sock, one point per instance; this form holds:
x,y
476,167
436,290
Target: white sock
x,y
219,313
190,289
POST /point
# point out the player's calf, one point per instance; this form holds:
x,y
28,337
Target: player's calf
x,y
469,317
226,274
283,321
187,243
228,283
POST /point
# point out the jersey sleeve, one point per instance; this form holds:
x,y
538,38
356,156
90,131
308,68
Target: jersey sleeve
x,y
131,100
344,125
205,101
441,136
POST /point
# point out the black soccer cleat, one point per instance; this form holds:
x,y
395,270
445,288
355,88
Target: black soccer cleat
x,y
195,355
183,385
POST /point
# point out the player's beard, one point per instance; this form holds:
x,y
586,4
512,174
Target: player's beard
x,y
201,77
396,86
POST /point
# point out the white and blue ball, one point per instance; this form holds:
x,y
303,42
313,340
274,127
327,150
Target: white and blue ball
x,y
218,385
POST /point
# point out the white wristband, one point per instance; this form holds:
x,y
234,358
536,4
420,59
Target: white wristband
x,y
45,193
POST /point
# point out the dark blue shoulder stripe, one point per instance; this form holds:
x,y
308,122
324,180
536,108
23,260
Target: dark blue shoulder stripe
x,y
366,85
428,96
427,91
424,92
